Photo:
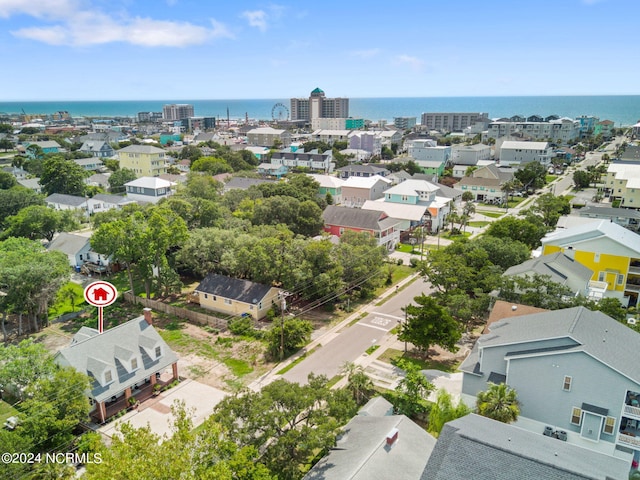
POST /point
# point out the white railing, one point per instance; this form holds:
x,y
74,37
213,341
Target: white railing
x,y
629,440
635,411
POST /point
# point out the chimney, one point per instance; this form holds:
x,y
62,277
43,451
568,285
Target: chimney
x,y
147,315
392,436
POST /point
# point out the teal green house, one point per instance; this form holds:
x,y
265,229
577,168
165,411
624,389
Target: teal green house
x,y
170,137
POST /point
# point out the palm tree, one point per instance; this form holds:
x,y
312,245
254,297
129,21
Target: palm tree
x,y
358,383
499,402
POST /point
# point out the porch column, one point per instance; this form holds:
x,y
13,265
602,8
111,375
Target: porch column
x,y
152,379
127,394
174,367
102,411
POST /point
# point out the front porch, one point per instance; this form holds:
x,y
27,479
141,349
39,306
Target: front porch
x,y
106,410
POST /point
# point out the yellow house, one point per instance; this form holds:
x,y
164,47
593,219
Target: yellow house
x,y
612,252
144,160
236,297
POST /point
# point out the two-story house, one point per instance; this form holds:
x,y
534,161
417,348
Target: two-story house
x,y
416,202
358,190
485,183
97,148
149,189
384,229
144,160
575,373
123,362
611,251
329,185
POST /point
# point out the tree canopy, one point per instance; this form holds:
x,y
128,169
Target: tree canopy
x,y
62,176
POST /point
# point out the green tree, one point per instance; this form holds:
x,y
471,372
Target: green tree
x,y
190,152
429,324
499,402
410,396
532,175
581,179
358,383
118,178
549,208
443,411
290,334
37,221
7,180
528,230
503,252
15,199
291,424
537,291
22,365
54,407
62,176
31,277
211,165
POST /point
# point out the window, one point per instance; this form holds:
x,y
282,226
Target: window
x,y
227,301
576,416
134,364
107,376
566,384
601,276
596,257
609,424
206,295
620,279
158,351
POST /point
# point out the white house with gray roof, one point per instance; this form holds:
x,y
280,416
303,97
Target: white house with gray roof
x,y
376,444
575,372
149,189
123,361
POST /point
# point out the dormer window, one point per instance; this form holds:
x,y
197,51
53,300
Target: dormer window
x,y
158,351
134,364
108,378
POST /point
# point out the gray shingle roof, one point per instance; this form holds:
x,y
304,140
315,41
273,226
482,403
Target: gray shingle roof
x,y
361,452
557,265
68,243
93,353
233,288
593,332
483,449
243,183
356,218
64,199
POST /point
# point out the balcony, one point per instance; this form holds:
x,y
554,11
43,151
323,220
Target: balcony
x,y
634,411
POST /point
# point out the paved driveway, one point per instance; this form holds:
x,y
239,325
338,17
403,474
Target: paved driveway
x,y
199,399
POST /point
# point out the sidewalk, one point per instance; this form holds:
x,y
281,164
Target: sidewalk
x,y
332,333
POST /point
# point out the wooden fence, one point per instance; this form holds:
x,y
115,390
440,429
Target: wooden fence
x,y
194,317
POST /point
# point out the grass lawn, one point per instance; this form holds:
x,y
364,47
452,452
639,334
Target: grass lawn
x,y
550,178
490,214
478,224
6,411
391,355
70,299
456,236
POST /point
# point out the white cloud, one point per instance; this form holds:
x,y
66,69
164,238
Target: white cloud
x,y
414,62
372,52
78,25
39,8
256,18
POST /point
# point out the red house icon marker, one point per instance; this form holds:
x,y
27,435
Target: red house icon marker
x,y
100,294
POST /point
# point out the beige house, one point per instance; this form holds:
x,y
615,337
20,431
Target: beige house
x,y
144,160
236,297
267,137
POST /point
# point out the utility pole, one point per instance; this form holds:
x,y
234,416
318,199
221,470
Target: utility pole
x,y
405,326
283,307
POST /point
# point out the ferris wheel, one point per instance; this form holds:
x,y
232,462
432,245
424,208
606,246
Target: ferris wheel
x,y
279,112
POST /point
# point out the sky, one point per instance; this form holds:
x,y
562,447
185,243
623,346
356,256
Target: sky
x,y
219,49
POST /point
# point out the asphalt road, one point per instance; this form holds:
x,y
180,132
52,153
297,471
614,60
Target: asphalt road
x,y
353,341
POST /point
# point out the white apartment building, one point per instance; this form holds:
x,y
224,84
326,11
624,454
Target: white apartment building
x,y
519,153
425,150
470,154
564,129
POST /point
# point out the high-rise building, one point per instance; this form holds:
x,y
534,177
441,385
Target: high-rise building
x,y
319,106
177,111
404,123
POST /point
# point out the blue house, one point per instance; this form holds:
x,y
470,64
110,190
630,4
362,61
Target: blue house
x,y
575,372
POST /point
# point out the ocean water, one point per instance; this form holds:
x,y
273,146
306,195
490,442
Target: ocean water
x,y
621,109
